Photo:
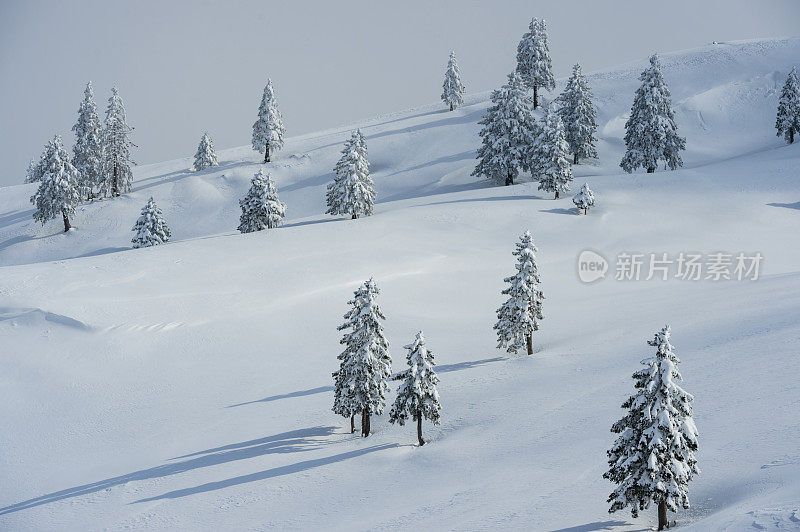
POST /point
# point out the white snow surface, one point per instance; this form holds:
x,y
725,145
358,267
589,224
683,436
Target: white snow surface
x,y
188,386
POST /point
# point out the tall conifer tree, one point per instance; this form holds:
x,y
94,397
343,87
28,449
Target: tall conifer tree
x,y
453,89
88,150
117,174
507,134
57,194
788,119
268,130
653,459
533,59
579,116
519,316
651,134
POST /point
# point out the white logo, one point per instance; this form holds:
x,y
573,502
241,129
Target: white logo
x,y
592,266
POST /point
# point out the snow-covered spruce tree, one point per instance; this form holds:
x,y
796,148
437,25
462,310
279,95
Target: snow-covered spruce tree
x,y
788,121
365,363
58,188
150,228
417,395
34,171
550,155
584,199
205,155
88,149
335,187
520,314
261,208
653,458
651,134
452,89
579,116
507,134
533,59
268,130
116,161
352,190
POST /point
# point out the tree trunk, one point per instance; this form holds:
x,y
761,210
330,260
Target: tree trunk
x,y
529,341
352,423
662,516
651,169
419,431
116,181
575,159
791,136
365,423
510,179
556,194
266,154
535,97
451,106
354,216
67,226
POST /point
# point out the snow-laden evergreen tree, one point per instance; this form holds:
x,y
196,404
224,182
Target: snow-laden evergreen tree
x,y
352,190
788,121
261,208
150,228
520,314
34,171
365,363
507,135
452,89
584,199
533,59
205,155
651,134
550,155
579,116
653,459
417,396
88,150
57,194
117,175
335,187
268,130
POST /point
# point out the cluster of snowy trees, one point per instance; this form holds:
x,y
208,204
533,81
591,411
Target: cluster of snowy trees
x,y
788,119
100,164
365,366
513,140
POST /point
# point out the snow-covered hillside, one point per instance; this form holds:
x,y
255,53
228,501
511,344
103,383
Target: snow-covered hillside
x,y
188,386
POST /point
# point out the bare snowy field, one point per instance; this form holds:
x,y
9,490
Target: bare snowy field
x,y
188,386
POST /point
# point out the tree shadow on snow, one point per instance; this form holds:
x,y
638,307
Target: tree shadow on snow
x,y
269,473
301,393
287,442
571,212
786,205
598,525
443,368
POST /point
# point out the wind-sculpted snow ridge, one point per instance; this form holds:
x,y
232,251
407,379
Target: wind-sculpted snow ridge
x,y
188,385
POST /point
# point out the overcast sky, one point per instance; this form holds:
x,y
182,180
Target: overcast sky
x,y
184,67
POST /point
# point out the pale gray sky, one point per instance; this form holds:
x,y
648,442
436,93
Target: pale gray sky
x,y
184,67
